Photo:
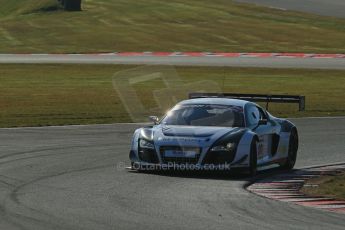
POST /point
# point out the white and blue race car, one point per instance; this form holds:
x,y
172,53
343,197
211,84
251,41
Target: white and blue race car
x,y
215,133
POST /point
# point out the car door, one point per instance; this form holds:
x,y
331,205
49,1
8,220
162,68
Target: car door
x,y
265,131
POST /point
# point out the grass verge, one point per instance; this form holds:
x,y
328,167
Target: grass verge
x,y
327,186
38,26
39,95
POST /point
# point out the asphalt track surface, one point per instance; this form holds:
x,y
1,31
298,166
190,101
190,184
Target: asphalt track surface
x,y
335,8
67,178
268,62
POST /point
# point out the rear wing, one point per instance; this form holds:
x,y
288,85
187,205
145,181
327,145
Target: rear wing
x,y
300,100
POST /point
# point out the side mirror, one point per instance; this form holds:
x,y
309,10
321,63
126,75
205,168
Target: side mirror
x,y
263,122
154,119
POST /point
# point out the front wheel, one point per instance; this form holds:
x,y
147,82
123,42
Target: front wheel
x,y
253,164
292,154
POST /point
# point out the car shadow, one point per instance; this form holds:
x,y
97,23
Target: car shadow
x,y
233,175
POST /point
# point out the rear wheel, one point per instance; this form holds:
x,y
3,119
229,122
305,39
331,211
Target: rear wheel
x,y
253,164
292,154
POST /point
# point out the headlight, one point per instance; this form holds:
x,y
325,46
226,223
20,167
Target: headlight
x,y
228,147
146,144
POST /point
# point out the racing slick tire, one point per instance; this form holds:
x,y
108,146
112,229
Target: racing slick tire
x,y
292,152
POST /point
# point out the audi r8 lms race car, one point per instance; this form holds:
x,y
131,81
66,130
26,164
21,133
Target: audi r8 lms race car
x,y
215,133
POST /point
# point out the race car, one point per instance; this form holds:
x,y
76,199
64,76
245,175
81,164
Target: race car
x,y
211,131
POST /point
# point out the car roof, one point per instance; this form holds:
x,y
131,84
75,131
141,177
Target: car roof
x,y
215,101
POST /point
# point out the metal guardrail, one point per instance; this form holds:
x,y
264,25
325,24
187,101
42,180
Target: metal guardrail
x,y
300,100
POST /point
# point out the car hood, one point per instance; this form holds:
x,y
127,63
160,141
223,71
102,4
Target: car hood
x,y
203,136
194,131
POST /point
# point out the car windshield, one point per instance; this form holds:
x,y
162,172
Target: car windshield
x,y
205,115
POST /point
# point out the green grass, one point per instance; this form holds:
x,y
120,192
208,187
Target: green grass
x,y
327,186
39,95
161,25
